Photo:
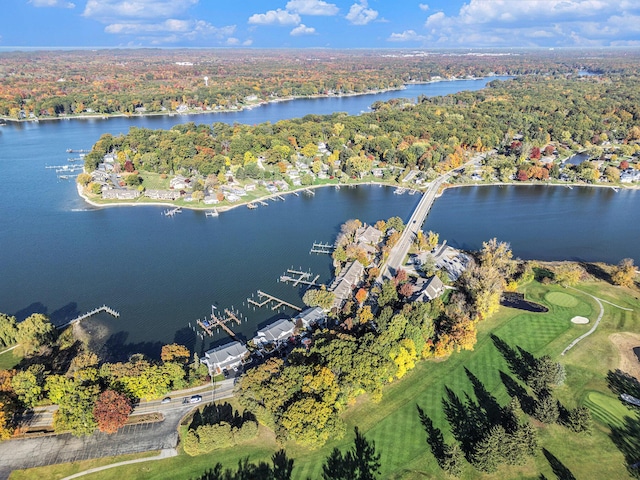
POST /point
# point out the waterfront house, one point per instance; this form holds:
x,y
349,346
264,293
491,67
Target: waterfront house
x,y
225,357
162,194
368,235
275,333
179,183
250,187
310,317
117,194
210,200
427,289
343,285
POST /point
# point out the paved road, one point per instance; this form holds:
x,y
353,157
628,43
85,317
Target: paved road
x,y
400,250
52,449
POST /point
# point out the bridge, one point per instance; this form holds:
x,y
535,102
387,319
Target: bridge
x,y
396,257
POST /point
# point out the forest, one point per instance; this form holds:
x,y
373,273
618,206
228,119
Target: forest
x,y
52,84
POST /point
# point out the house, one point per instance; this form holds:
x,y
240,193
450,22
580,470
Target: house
x,y
377,172
410,176
210,200
629,176
427,289
343,285
225,357
274,333
179,183
310,316
162,194
368,235
250,187
116,194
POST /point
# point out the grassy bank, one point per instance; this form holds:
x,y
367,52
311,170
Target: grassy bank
x,y
394,424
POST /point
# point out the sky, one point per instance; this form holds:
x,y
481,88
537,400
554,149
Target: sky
x,y
430,24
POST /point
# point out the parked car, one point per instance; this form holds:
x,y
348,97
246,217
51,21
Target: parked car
x,y
195,399
166,400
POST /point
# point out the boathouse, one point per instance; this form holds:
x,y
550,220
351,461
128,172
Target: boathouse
x,y
225,357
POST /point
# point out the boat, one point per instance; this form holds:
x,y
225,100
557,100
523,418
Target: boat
x,y
211,213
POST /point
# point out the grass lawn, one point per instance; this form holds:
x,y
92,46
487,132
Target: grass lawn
x,y
394,424
8,359
154,181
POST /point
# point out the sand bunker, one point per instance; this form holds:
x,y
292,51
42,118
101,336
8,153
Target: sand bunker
x,y
626,343
580,320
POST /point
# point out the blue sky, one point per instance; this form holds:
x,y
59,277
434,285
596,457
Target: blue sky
x,y
320,23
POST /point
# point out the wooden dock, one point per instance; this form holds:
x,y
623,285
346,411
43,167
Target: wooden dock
x,y
211,213
218,322
319,247
93,312
310,192
251,206
172,212
268,299
263,203
297,278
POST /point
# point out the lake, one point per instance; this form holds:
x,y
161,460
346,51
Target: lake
x,y
62,257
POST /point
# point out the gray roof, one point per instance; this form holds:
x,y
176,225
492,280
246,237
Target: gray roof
x,y
349,278
311,316
428,290
278,330
225,355
370,235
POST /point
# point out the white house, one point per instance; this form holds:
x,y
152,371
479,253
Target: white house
x,y
275,333
225,357
311,316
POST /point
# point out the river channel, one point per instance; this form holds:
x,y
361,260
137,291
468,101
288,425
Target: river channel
x,y
62,257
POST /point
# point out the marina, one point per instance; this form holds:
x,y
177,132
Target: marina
x,y
297,277
324,248
171,212
271,301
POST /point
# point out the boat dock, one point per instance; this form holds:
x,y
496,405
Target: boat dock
x,y
211,213
298,277
310,192
172,212
319,247
91,313
270,298
218,322
71,150
251,206
263,203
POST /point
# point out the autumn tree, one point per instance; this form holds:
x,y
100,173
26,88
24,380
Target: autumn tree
x,y
568,273
175,353
111,411
8,330
624,273
28,384
361,295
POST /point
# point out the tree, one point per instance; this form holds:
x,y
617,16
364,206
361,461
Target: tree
x,y
625,273
311,422
28,384
546,374
361,295
174,352
396,223
360,463
319,297
111,411
8,330
388,294
546,409
568,274
497,255
33,332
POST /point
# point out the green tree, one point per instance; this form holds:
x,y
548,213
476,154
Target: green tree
x,y
33,332
319,297
28,384
8,330
311,423
388,294
361,462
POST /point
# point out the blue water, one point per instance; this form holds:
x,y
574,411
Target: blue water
x,y
62,257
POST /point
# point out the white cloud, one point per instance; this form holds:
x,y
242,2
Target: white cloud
x,y
424,7
359,14
52,3
171,30
406,36
275,17
106,10
312,7
302,29
535,23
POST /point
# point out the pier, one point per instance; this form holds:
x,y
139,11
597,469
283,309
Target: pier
x,y
93,312
71,150
297,277
218,322
268,299
211,213
251,206
310,192
319,247
172,212
263,203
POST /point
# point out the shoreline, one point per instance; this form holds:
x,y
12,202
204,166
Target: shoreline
x,y
226,208
240,108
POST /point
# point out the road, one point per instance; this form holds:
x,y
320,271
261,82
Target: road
x,y
41,418
401,249
44,450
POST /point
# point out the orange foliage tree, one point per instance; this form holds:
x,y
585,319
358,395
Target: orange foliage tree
x,y
111,411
